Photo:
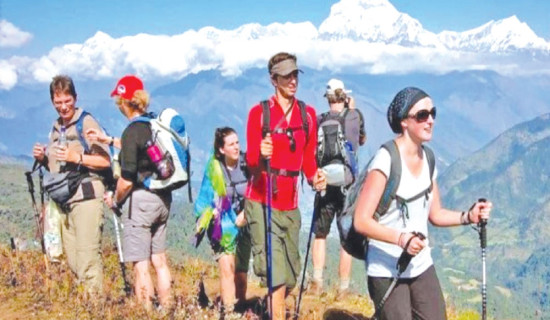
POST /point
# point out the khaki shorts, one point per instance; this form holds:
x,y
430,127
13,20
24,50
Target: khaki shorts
x,y
244,247
285,231
145,225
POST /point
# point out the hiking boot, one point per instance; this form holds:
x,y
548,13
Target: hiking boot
x,y
342,294
315,288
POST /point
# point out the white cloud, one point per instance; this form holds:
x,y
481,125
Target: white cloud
x,y
11,36
8,75
395,50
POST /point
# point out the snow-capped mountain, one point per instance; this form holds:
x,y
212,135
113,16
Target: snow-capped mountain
x,y
375,21
378,21
495,36
359,36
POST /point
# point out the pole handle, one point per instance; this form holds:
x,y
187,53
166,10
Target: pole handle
x,y
483,228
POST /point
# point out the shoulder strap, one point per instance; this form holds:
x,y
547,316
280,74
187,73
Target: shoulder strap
x,y
431,160
242,164
392,183
266,128
79,129
305,122
342,119
431,164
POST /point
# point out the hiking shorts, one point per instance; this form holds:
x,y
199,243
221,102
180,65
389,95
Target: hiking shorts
x,y
145,225
329,206
244,248
285,231
413,298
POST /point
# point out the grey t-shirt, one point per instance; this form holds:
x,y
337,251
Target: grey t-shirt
x,y
235,185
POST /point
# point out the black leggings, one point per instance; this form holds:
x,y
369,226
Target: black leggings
x,y
415,298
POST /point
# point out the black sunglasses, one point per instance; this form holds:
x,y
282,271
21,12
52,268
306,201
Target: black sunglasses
x,y
290,136
423,115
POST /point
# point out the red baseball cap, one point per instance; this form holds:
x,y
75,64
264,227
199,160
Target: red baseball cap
x,y
127,86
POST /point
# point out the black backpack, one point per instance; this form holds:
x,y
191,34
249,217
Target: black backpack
x,y
334,152
354,243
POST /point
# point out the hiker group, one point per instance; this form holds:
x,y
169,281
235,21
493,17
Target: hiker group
x,y
247,204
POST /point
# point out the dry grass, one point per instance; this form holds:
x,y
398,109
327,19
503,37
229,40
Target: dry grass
x,y
30,290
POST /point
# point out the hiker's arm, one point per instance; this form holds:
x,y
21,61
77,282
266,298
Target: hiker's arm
x,y
362,131
367,202
123,188
442,217
94,134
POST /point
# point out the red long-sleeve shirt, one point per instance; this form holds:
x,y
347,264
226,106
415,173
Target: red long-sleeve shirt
x,y
302,159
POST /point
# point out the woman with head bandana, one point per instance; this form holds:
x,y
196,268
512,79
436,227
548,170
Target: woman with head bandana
x,y
411,115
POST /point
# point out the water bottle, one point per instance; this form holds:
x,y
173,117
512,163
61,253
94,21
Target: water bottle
x,y
352,158
165,167
62,142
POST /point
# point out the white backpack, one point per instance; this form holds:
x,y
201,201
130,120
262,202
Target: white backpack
x,y
169,134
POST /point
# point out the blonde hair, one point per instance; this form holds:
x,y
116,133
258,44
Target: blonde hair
x,y
338,96
140,101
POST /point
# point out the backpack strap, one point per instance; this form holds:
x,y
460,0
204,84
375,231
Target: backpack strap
x,y
390,191
431,160
342,119
80,129
305,122
392,183
266,128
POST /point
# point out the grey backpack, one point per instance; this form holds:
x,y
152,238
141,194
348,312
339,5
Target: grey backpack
x,y
354,243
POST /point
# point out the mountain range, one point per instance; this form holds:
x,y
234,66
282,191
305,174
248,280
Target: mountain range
x,y
512,171
358,36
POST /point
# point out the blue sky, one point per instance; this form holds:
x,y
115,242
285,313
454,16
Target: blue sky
x,y
56,22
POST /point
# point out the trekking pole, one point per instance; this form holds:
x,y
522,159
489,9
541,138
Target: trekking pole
x,y
402,265
13,280
37,212
483,242
268,242
117,212
127,289
315,205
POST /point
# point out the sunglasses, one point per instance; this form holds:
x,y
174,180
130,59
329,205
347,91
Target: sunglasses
x,y
290,136
423,115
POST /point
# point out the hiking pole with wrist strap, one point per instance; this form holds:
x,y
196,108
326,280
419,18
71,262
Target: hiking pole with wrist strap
x,y
482,229
315,206
402,264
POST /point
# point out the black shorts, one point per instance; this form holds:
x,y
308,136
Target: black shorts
x,y
329,206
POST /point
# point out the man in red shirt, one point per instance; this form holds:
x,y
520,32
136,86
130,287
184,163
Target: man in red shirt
x,y
290,150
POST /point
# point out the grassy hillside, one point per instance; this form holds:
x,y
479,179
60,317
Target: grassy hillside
x,y
513,171
31,290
